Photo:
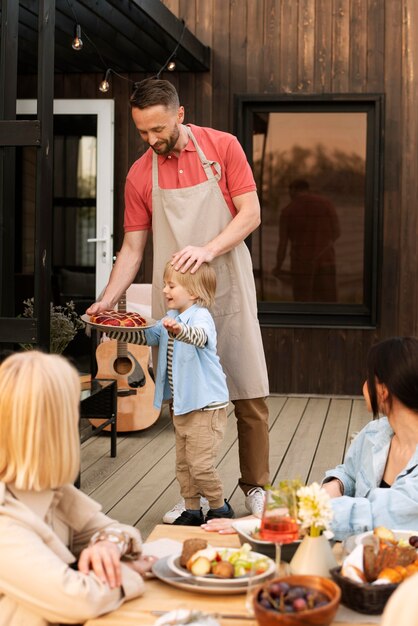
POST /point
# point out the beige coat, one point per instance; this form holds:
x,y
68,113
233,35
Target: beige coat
x,y
402,606
41,534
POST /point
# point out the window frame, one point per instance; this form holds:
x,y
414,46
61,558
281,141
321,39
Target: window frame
x,y
317,314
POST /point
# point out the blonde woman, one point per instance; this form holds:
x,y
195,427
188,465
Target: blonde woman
x,y
60,557
190,374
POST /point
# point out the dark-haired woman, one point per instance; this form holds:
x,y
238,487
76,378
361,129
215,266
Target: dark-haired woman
x,y
377,485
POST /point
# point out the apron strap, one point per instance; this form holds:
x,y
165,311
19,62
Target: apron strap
x,y
207,165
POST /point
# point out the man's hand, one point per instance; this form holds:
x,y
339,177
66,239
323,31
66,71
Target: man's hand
x,y
191,257
171,325
104,559
99,307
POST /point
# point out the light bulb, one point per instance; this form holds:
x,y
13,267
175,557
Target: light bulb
x,y
77,41
171,66
104,85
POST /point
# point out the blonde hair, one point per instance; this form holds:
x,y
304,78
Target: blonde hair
x,y
39,412
201,284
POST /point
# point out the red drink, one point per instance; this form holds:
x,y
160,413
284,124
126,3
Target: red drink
x,y
279,529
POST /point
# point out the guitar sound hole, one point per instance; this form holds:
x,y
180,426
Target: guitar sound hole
x,y
122,365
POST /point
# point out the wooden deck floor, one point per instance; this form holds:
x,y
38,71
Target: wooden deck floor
x,y
308,434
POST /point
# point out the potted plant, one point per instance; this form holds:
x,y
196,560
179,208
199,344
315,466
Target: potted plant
x,y
65,323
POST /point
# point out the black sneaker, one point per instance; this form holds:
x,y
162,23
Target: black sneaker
x,y
189,519
212,514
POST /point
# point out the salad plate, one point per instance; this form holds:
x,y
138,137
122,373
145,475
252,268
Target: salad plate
x,y
161,570
246,557
201,584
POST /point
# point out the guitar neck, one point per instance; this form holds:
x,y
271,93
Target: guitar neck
x,y
122,348
122,303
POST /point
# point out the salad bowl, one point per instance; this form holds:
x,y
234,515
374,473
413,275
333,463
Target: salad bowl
x,y
246,528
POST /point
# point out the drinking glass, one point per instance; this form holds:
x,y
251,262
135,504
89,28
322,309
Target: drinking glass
x,y
279,522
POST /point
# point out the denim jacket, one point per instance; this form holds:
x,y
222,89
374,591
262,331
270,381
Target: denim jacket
x,y
364,504
198,378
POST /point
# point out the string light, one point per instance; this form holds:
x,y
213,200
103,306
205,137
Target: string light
x,y
77,41
104,85
170,64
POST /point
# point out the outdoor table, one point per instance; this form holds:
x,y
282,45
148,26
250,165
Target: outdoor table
x,y
159,596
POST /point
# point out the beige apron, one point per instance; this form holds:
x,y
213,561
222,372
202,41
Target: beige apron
x,y
194,216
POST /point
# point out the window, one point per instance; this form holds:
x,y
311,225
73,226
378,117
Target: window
x,y
316,161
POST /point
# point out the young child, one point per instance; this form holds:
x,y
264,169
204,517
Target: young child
x,y
189,372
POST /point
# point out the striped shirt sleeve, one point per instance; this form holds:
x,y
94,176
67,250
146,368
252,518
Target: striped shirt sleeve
x,y
128,336
191,334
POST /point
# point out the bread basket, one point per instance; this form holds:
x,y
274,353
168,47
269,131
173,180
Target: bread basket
x,y
362,597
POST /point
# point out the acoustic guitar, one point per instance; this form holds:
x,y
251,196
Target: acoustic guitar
x,y
128,364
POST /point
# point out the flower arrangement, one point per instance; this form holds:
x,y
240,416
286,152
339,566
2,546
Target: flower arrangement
x,y
314,509
65,323
284,494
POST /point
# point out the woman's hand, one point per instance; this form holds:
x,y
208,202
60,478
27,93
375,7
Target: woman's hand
x,y
220,525
142,565
333,488
104,559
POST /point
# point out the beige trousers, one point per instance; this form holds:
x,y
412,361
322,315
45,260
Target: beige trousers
x,y
253,442
198,437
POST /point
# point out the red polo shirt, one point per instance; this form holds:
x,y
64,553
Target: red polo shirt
x,y
186,171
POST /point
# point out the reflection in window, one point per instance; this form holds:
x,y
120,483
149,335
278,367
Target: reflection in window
x,y
310,172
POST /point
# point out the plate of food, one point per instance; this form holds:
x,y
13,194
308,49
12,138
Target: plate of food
x,y
249,532
226,566
377,562
399,537
119,320
161,570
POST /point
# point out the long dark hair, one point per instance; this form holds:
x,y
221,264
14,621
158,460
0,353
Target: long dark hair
x,y
394,363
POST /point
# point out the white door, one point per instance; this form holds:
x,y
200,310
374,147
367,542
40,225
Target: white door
x,y
103,238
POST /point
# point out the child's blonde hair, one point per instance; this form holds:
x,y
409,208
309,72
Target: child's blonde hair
x,y
201,284
39,413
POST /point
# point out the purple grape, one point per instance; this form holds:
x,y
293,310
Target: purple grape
x,y
300,605
278,589
296,592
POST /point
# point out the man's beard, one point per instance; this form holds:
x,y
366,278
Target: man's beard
x,y
166,146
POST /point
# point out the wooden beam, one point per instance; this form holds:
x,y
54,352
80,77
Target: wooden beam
x,y
18,330
44,174
8,94
20,133
158,13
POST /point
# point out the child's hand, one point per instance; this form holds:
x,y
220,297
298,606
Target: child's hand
x,y
171,325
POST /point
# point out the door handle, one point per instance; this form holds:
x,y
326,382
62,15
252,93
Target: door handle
x,y
105,241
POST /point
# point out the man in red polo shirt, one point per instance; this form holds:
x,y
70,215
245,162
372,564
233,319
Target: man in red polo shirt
x,y
195,190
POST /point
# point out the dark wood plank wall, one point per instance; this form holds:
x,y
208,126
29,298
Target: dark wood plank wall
x,y
303,46
327,46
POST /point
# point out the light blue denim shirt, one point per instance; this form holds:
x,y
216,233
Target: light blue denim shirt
x,y
198,378
364,504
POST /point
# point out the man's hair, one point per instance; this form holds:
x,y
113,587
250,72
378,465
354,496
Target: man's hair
x,y
39,413
153,92
394,363
201,284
